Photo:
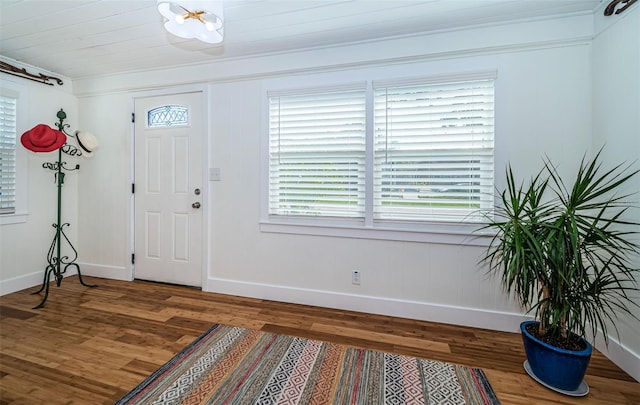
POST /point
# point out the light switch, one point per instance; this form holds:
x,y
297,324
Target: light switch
x,y
214,174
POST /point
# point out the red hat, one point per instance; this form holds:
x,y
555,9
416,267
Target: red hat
x,y
43,138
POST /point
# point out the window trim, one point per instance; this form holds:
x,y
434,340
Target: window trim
x,y
441,233
454,233
16,91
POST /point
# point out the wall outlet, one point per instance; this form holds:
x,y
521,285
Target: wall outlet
x,y
355,277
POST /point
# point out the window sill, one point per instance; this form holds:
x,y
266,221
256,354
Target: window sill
x,y
450,234
7,219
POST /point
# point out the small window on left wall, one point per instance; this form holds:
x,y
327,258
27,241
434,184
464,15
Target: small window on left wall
x,y
8,160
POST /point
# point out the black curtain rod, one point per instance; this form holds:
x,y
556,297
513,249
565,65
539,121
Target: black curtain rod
x,y
612,6
20,72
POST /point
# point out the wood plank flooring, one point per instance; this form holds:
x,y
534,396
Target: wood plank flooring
x,y
91,346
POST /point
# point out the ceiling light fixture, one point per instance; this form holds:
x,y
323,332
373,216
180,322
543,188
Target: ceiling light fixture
x,y
202,20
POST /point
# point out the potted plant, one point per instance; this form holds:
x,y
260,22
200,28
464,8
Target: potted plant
x,y
566,255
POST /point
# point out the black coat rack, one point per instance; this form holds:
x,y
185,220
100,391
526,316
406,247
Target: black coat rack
x,y
58,264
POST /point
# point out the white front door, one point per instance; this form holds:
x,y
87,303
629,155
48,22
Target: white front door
x,y
169,134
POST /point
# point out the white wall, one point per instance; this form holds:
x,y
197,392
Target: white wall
x,y
616,125
419,280
105,188
543,107
24,245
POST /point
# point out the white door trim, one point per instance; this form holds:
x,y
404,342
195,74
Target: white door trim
x,y
206,234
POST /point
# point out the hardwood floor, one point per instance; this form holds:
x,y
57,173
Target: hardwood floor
x,y
91,346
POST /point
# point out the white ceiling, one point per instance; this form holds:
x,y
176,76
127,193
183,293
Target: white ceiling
x,y
83,38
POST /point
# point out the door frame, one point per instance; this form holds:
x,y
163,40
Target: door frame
x,y
203,89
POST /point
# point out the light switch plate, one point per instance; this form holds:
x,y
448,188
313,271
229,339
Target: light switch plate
x,y
214,174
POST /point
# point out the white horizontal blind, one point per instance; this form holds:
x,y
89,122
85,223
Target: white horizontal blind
x,y
433,150
7,155
317,153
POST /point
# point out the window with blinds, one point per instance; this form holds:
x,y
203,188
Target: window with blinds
x,y
317,153
433,150
7,155
395,154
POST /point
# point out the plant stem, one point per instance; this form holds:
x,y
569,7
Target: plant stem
x,y
542,328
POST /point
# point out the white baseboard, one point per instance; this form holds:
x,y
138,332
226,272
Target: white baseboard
x,y
102,271
27,281
35,279
502,321
21,282
621,355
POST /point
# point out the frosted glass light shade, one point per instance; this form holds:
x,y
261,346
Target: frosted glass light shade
x,y
203,20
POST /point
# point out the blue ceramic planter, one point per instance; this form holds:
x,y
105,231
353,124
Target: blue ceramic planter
x,y
555,367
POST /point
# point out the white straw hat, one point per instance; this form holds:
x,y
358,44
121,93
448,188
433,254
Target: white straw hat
x,y
87,143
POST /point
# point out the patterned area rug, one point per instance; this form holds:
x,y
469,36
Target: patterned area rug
x,y
233,365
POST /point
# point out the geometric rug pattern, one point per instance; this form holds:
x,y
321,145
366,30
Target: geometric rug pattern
x,y
234,365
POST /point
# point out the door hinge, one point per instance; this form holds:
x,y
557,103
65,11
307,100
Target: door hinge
x,y
133,188
133,258
133,117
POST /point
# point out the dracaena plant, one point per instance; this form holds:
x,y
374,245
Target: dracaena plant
x,y
566,253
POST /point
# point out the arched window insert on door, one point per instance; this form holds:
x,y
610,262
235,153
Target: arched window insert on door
x,y
168,116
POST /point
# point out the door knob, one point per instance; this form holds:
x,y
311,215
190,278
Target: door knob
x,y
196,205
